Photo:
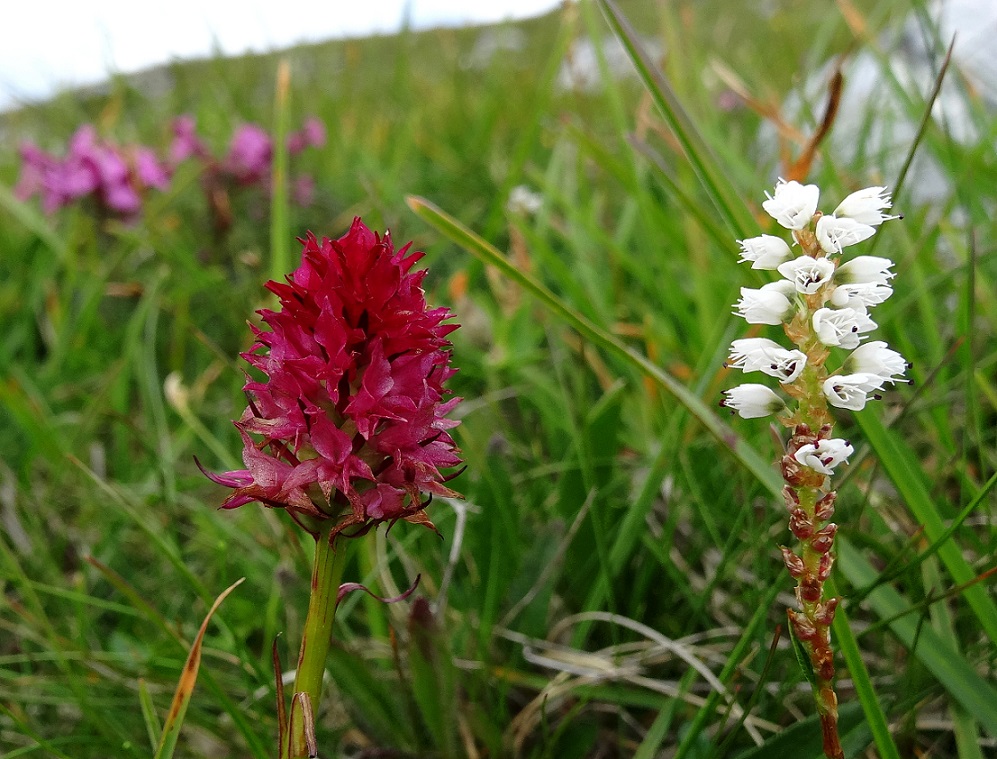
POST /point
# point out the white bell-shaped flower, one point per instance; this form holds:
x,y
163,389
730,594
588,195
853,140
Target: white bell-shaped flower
x,y
866,206
807,274
752,401
878,359
843,327
758,354
825,455
770,304
860,297
765,252
851,391
793,204
833,233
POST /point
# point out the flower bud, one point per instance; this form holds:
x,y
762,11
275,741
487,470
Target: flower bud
x,y
824,568
803,629
810,589
794,564
824,508
800,524
824,614
791,498
823,539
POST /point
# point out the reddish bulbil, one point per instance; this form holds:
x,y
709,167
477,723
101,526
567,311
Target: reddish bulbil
x,y
352,413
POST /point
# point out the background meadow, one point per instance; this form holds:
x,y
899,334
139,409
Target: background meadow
x,y
611,585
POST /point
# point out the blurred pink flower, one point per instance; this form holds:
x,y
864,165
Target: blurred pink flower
x,y
311,134
114,176
353,410
303,190
249,155
186,143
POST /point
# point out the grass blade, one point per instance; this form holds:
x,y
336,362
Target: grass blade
x,y
954,674
185,688
904,470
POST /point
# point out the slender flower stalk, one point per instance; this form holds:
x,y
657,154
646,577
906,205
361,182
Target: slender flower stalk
x,y
821,304
348,430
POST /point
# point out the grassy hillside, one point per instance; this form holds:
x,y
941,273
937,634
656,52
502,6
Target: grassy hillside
x,y
611,584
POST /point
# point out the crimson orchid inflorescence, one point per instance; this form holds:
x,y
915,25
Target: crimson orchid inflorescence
x,y
352,415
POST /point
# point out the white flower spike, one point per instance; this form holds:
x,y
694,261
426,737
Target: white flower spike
x,y
833,233
793,204
866,206
752,401
807,274
825,455
765,252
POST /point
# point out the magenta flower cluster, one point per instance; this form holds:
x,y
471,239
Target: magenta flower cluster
x,y
352,416
249,158
117,177
114,176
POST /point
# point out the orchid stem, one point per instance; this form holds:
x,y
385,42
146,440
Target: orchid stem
x,y
327,573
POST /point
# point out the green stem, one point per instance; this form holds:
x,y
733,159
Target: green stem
x,y
327,573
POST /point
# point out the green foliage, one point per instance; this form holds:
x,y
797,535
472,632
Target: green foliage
x,y
601,486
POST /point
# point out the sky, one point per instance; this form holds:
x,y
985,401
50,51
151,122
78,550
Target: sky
x,y
82,42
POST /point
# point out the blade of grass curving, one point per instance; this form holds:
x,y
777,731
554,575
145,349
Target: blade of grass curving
x,y
25,729
904,470
690,204
748,637
453,230
152,725
965,729
955,674
138,603
185,688
33,221
874,714
701,157
888,576
280,256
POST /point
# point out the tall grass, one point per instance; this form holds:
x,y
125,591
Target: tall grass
x,y
611,585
